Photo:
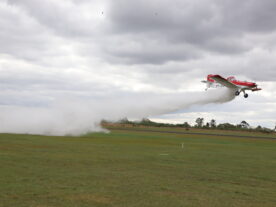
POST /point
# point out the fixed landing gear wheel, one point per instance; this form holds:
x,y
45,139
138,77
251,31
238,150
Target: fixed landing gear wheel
x,y
237,93
245,95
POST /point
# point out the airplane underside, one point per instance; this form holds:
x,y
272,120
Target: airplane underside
x,y
237,90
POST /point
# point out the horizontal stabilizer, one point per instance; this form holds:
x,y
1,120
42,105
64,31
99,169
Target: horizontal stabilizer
x,y
256,89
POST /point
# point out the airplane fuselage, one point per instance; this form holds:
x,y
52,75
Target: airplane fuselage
x,y
231,82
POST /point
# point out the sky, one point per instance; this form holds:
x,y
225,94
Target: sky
x,y
94,50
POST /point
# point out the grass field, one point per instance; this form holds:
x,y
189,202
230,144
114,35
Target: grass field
x,y
132,168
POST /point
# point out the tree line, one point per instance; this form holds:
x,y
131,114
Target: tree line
x,y
199,123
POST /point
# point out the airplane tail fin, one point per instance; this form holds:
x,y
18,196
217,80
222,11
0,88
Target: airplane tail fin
x,y
209,82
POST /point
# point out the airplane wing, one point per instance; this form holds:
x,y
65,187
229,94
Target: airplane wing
x,y
223,81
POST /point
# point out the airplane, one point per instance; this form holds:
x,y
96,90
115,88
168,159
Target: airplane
x,y
215,81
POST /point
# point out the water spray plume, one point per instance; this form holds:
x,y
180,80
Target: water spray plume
x,y
75,116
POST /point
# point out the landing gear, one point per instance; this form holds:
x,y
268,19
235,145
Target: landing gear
x,y
245,95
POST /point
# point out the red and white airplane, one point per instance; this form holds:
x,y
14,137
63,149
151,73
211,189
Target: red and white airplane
x,y
214,81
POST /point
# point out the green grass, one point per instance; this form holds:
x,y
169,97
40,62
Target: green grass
x,y
131,169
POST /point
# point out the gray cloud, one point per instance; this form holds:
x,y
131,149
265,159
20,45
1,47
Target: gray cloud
x,y
20,35
249,16
103,48
140,50
214,26
61,17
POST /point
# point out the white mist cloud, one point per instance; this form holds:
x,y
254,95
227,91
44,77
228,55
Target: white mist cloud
x,y
77,116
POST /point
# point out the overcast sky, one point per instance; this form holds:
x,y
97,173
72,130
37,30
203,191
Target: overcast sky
x,y
102,48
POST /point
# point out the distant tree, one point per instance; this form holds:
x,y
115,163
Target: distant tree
x,y
244,125
213,123
124,121
104,121
207,125
259,128
199,122
146,120
186,125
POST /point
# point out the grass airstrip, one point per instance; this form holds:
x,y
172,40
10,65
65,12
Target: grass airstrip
x,y
126,168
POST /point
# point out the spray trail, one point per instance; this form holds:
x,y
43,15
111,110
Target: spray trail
x,y
75,117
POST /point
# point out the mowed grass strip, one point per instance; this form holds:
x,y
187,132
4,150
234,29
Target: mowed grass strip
x,y
128,168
